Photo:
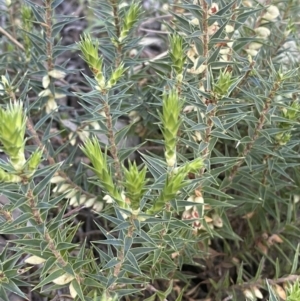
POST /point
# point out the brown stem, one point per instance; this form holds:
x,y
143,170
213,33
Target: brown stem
x,y
205,27
114,4
47,237
112,142
48,25
11,38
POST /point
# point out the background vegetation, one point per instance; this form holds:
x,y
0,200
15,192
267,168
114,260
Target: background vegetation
x,y
150,150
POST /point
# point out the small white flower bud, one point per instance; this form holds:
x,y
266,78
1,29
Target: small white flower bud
x,y
262,32
98,206
90,202
190,199
82,199
45,93
45,81
65,278
34,260
194,21
57,179
248,294
171,161
273,11
252,52
217,221
74,201
57,74
73,293
254,46
51,105
108,199
229,28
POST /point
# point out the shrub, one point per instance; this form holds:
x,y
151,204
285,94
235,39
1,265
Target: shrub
x,y
171,177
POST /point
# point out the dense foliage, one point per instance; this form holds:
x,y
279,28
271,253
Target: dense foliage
x,y
155,155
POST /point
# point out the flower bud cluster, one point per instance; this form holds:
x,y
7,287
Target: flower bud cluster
x,y
74,195
263,32
177,54
89,49
130,19
12,138
93,151
51,104
175,181
192,212
171,122
61,280
135,181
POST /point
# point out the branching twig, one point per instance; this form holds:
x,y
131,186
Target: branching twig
x,y
11,38
258,128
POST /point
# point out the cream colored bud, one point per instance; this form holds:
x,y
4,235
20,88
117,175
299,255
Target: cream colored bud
x,y
134,116
252,52
82,199
45,93
255,46
95,125
280,291
230,44
72,139
189,109
248,294
171,161
59,95
45,81
90,202
229,28
83,135
199,200
73,293
133,53
98,206
64,279
194,21
217,221
190,199
34,260
224,58
73,201
57,179
273,11
262,32
225,50
57,74
70,194
108,199
247,3
197,136
296,198
165,7
51,105
63,188
257,293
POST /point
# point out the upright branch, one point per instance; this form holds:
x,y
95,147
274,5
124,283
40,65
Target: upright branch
x,y
48,25
259,126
